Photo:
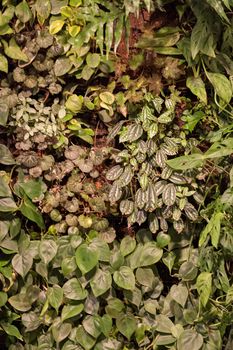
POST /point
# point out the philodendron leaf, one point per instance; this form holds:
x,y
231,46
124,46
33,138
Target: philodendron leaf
x,y
22,263
150,254
13,51
93,60
126,324
56,26
128,244
30,211
20,302
70,311
221,84
23,11
197,87
124,278
179,293
73,290
86,258
11,330
101,282
3,64
204,286
189,339
7,205
5,190
6,157
55,296
84,339
47,250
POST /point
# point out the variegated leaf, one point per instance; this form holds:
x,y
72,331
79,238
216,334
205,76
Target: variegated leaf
x,y
125,177
115,193
163,224
141,216
166,173
126,207
113,173
169,194
140,198
153,223
161,158
178,225
131,133
151,147
191,212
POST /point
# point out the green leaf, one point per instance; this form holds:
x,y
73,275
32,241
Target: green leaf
x,y
43,8
179,293
11,330
219,9
150,254
190,339
56,26
62,66
106,325
124,278
55,296
92,325
87,73
107,97
60,330
93,60
101,282
30,211
13,51
20,302
191,161
3,64
23,12
213,228
7,205
70,311
197,87
202,39
3,298
73,290
4,113
47,250
126,324
221,84
84,339
127,245
163,324
5,190
204,286
33,188
86,258
22,263
6,157
145,277
74,103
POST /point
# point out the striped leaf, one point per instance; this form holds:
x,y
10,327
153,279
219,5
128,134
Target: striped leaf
x,y
114,173
115,193
161,158
131,133
191,212
153,223
126,207
169,194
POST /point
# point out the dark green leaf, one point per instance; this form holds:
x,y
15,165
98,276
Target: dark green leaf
x,y
30,211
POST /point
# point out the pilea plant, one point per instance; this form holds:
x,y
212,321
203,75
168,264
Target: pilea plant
x,y
144,185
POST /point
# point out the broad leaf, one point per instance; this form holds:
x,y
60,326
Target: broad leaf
x,y
47,250
55,296
197,87
22,263
126,324
101,282
204,286
30,211
86,258
124,278
221,84
190,339
73,290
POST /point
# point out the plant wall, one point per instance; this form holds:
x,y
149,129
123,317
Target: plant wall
x,y
116,180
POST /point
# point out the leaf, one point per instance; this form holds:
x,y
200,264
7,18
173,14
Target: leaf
x,y
92,325
5,190
126,324
145,277
70,311
73,290
6,157
4,113
107,97
87,72
197,87
60,331
124,278
189,339
179,293
84,339
55,296
62,66
74,103
3,298
23,12
191,161
150,254
93,60
3,64
213,228
221,84
30,211
56,26
43,8
204,286
218,8
127,245
163,324
22,263
47,250
202,39
106,325
86,258
13,51
20,302
33,188
7,205
11,330
101,282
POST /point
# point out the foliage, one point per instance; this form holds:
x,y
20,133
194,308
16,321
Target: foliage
x,y
116,178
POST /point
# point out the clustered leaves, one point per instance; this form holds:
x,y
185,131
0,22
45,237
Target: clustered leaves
x,y
116,180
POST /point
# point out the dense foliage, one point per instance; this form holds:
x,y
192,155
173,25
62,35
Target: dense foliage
x,y
116,178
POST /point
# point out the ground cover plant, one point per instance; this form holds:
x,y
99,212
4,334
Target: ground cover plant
x,y
116,177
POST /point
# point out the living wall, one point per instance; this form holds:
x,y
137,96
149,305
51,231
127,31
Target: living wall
x,y
116,180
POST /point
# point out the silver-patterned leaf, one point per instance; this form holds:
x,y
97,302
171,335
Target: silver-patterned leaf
x,y
191,211
167,212
132,218
153,130
153,223
159,187
126,177
163,224
140,198
172,142
166,173
141,157
151,197
142,146
165,117
126,207
170,151
151,147
169,194
115,130
115,193
161,158
132,133
146,168
113,173
157,102
178,179
141,216
178,225
143,180
176,215
146,114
